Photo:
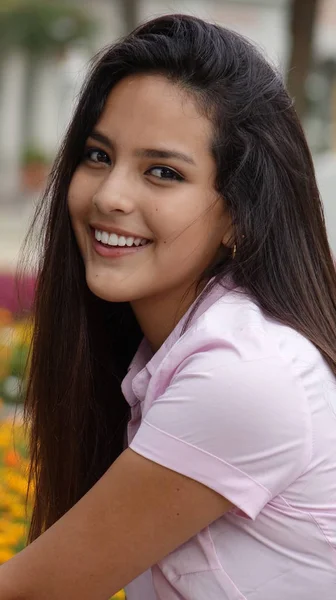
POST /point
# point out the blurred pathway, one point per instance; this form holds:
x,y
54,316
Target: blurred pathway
x,y
14,222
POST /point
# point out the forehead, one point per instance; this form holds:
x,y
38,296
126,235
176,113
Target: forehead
x,y
150,107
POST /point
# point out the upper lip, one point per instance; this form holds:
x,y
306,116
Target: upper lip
x,y
117,230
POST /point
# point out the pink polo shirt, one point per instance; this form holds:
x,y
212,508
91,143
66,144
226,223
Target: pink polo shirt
x,y
246,406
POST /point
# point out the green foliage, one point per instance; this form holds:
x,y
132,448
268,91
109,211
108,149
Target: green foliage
x,y
40,27
14,360
19,360
33,155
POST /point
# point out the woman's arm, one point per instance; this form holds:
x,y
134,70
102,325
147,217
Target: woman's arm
x,y
7,591
136,514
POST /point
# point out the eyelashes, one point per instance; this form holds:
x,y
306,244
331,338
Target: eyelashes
x,y
171,174
100,155
96,156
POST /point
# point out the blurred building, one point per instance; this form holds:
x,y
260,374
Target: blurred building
x,y
58,79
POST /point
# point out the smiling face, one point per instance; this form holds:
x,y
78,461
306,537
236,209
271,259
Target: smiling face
x,y
142,202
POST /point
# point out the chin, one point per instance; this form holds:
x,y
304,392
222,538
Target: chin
x,y
108,290
103,292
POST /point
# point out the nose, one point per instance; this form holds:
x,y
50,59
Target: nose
x,y
115,193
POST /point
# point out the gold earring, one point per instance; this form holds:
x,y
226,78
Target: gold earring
x,y
234,251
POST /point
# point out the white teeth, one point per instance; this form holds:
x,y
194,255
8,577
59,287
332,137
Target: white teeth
x,y
112,239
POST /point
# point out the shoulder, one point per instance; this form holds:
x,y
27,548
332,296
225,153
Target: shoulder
x,y
233,362
222,398
235,322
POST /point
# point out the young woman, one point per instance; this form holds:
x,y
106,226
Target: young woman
x,y
184,231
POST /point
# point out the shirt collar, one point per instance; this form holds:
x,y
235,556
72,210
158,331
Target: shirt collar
x,y
144,357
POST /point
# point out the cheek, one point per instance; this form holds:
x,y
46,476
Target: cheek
x,y
73,197
191,224
79,196
192,248
174,217
78,206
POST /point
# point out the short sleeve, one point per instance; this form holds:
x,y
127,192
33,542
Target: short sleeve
x,y
239,426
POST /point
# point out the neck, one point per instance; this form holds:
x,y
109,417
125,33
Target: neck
x,y
159,315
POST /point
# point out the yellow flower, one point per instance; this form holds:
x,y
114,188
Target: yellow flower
x,y
6,437
13,485
5,356
18,511
19,332
5,554
6,501
16,483
13,533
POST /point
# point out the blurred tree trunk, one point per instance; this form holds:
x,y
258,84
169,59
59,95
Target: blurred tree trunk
x,y
130,14
302,21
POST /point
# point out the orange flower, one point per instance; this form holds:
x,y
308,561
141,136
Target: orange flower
x,y
11,459
5,316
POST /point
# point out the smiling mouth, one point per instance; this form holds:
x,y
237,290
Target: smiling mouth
x,y
113,246
108,239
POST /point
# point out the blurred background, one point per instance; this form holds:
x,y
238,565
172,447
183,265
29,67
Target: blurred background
x,y
45,48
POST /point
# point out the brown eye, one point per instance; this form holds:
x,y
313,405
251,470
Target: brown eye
x,y
165,173
96,155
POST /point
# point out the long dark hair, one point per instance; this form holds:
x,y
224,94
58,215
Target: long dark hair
x,y
82,345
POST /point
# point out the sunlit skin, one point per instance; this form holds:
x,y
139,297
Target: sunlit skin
x,y
170,201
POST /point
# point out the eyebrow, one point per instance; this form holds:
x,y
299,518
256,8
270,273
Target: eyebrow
x,y
145,152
